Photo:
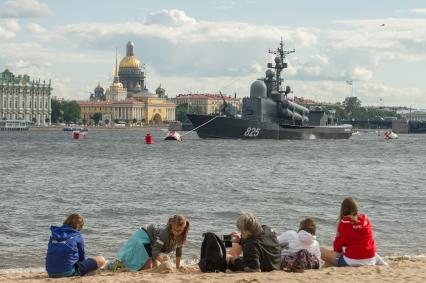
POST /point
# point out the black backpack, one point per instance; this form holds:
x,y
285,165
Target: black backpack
x,y
213,254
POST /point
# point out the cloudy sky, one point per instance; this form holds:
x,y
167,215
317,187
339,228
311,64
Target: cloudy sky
x,y
210,46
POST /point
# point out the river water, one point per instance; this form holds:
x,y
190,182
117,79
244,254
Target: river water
x,y
119,183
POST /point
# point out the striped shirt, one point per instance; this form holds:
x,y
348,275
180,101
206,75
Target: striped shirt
x,y
161,240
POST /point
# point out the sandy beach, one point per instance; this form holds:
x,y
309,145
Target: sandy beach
x,y
399,270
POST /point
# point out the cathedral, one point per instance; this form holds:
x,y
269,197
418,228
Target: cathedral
x,y
128,98
131,75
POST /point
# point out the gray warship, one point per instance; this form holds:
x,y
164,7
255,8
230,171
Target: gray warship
x,y
268,113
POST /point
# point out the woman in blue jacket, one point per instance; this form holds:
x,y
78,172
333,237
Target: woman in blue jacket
x,y
65,252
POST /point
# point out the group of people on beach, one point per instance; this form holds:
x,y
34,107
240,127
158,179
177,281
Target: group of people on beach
x,y
255,247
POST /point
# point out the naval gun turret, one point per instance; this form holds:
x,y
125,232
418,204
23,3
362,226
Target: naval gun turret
x,y
268,100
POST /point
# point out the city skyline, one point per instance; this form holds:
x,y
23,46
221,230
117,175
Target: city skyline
x,y
212,46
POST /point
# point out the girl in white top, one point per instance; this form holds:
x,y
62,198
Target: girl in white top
x,y
303,248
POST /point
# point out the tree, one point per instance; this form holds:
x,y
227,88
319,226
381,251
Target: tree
x,y
106,121
71,111
84,121
97,117
185,108
134,121
196,109
56,110
351,104
181,111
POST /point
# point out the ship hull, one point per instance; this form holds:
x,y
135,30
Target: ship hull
x,y
222,127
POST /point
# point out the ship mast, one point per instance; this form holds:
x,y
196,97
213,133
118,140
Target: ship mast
x,y
279,63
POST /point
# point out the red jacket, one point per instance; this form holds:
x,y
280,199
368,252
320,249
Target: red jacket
x,y
357,237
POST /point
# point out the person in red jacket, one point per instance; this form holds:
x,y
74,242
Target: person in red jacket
x,y
354,243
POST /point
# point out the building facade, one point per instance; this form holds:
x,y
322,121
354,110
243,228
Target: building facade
x,y
128,99
208,103
414,115
23,99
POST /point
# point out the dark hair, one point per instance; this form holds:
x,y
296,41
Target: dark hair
x,y
180,221
75,220
349,208
308,225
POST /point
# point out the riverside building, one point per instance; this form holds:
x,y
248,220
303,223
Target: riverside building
x,y
128,98
24,99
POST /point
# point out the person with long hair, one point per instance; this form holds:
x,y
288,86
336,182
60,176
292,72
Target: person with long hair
x,y
144,248
354,242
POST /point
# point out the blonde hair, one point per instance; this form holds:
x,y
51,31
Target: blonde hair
x,y
248,222
75,220
180,221
349,208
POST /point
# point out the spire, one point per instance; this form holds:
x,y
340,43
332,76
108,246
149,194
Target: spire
x,y
116,78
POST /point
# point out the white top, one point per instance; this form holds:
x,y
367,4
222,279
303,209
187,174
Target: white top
x,y
360,262
376,260
301,240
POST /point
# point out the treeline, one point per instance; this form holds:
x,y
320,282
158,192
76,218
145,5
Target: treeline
x,y
65,111
185,108
351,109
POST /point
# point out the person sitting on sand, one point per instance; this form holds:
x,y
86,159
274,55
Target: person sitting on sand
x,y
354,243
143,249
303,248
256,248
65,252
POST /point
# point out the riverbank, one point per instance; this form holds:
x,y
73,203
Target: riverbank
x,y
399,270
60,128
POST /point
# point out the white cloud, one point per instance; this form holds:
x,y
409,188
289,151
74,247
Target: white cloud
x,y
24,9
187,55
169,18
361,74
11,25
6,35
36,28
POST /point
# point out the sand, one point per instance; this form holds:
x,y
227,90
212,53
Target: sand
x,y
399,270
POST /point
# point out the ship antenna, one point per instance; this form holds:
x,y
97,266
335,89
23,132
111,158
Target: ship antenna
x,y
280,64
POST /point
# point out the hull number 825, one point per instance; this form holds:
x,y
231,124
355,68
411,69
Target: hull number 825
x,y
252,132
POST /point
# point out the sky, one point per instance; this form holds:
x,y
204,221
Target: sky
x,y
200,46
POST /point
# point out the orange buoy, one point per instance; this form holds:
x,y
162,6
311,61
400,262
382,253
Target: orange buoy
x,y
148,138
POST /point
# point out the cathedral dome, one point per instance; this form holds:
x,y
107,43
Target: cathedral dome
x,y
130,62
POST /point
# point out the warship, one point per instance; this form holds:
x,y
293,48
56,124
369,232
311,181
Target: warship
x,y
268,113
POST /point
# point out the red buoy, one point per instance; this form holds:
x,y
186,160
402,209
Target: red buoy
x,y
148,139
76,135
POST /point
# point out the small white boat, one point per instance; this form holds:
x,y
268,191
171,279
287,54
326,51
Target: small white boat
x,y
389,135
173,136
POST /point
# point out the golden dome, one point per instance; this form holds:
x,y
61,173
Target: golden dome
x,y
130,62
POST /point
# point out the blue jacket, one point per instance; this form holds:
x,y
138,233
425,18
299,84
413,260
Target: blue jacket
x,y
65,249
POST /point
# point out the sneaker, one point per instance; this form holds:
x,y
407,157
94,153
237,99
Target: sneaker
x,y
379,260
111,265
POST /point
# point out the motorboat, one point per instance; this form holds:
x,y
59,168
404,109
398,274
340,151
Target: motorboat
x,y
173,136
